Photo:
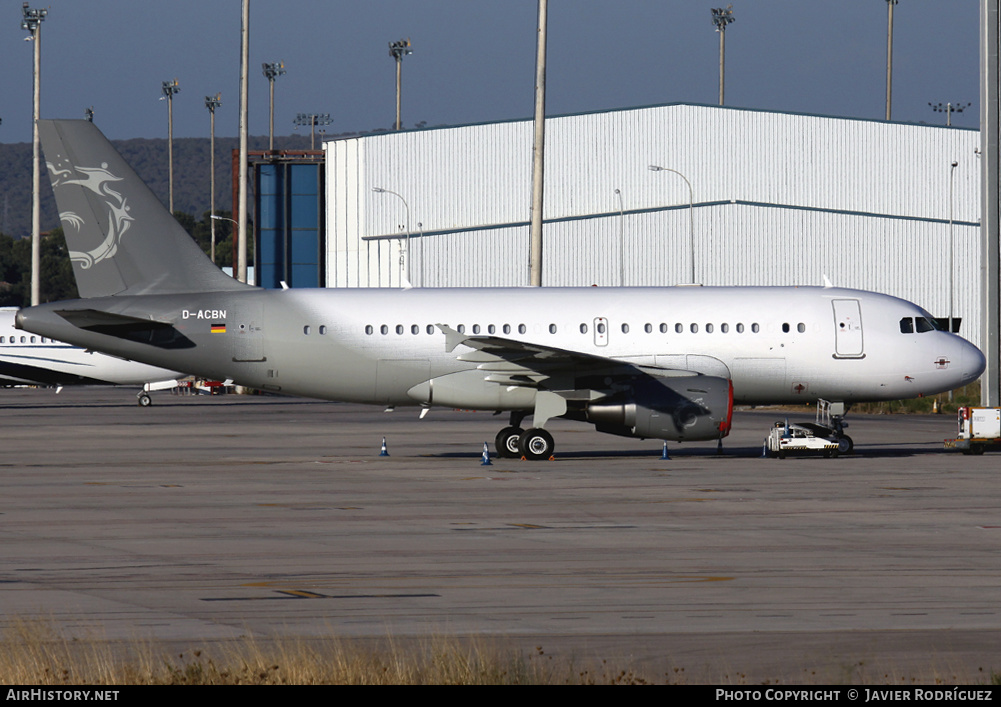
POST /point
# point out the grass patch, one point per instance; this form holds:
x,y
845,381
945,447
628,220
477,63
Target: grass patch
x,y
968,395
32,652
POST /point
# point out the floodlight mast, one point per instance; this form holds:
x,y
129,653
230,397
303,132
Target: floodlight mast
x,y
312,120
398,50
889,54
169,89
271,72
212,102
32,21
949,109
721,18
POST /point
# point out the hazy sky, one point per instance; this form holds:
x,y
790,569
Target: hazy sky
x,y
474,61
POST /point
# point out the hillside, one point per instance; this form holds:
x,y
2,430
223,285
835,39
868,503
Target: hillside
x,y
149,159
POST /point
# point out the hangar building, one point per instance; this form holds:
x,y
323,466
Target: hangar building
x,y
774,199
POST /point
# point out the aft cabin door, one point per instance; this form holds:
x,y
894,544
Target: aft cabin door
x,y
847,329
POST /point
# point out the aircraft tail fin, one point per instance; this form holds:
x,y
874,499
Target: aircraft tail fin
x,y
120,237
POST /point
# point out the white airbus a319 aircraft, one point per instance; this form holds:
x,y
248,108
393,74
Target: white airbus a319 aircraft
x,y
666,363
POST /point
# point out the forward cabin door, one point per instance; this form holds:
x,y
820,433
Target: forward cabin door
x,y
847,328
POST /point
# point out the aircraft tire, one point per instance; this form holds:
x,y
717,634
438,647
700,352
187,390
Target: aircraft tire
x,y
144,400
536,444
506,443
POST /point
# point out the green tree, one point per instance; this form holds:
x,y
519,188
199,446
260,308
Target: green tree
x,y
57,281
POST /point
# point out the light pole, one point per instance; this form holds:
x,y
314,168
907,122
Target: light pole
x,y
240,237
212,102
691,215
949,109
404,253
271,72
32,21
538,150
169,89
312,120
721,18
952,248
398,50
889,54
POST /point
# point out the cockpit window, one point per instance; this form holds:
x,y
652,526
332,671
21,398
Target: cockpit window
x,y
922,324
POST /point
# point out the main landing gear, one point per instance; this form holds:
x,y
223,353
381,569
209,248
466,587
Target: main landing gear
x,y
513,442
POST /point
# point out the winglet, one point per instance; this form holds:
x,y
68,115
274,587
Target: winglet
x,y
827,282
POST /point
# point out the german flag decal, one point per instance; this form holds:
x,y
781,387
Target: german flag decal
x,y
218,328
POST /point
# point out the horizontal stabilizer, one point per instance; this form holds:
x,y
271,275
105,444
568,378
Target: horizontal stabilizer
x,y
145,331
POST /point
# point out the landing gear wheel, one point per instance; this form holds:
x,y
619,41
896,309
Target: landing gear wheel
x,y
144,400
845,445
506,443
536,444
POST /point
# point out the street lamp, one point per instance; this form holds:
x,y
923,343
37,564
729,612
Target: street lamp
x,y
691,215
169,89
721,18
212,102
404,254
312,120
398,50
949,109
271,72
32,21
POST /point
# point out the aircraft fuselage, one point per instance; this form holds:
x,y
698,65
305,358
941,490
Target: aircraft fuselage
x,y
776,344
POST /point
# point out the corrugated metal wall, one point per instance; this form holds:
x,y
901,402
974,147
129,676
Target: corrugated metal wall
x,y
779,199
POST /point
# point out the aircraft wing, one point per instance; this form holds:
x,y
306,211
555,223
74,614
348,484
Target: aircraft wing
x,y
510,362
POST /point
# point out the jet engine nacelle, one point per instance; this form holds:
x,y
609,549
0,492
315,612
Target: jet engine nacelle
x,y
673,408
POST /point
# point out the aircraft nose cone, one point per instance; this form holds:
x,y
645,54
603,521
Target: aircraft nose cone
x,y
972,362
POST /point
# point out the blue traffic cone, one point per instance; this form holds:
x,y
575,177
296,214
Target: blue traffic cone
x,y
384,452
663,454
486,456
